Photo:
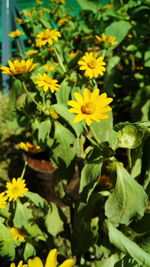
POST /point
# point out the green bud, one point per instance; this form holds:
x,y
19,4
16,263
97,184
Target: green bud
x,y
130,137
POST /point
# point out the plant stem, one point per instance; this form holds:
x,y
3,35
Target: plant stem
x,y
59,59
95,137
24,169
129,158
19,47
27,92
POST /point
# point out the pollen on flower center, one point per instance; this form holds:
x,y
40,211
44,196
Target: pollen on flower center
x,y
88,108
92,64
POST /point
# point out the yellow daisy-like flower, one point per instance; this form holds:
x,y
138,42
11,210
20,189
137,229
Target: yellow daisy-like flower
x,y
39,3
32,52
106,39
62,21
47,36
20,264
108,6
15,33
27,13
16,189
48,66
18,67
17,234
51,261
47,82
28,147
3,199
19,21
90,107
92,64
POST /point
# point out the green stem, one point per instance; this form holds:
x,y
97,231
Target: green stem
x,y
27,92
59,59
129,158
24,169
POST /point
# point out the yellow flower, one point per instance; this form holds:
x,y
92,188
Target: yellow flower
x,y
59,1
48,66
3,199
90,107
47,36
62,21
92,65
53,114
73,54
28,147
15,33
108,6
47,82
16,189
18,67
32,52
39,3
19,21
27,13
51,261
106,39
20,264
17,234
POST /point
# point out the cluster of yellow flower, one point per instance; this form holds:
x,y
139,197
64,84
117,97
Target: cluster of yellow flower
x,y
89,107
51,261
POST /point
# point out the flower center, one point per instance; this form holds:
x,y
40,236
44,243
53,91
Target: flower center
x,y
92,64
88,108
14,190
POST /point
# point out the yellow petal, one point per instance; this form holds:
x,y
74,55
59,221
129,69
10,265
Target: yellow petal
x,y
35,262
51,260
12,265
79,118
79,97
95,94
68,263
74,104
86,94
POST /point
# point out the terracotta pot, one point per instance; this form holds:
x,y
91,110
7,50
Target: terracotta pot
x,y
40,177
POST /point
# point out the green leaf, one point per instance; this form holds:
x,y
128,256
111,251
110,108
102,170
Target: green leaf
x,y
14,92
65,147
36,199
29,251
108,262
118,29
62,110
22,214
44,129
89,5
123,204
103,129
53,222
118,239
136,156
7,244
62,95
89,177
147,58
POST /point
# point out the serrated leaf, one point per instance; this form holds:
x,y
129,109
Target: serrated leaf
x,y
62,110
102,130
65,147
128,199
53,222
44,130
62,95
7,245
29,251
122,242
89,5
118,29
89,177
36,199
